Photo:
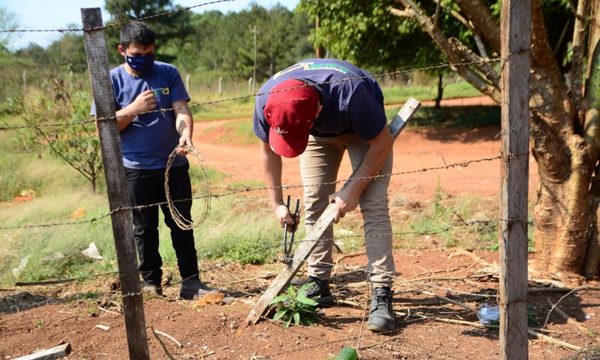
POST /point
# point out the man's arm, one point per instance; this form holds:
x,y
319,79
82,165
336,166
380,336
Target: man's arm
x,y
379,149
145,101
184,124
272,168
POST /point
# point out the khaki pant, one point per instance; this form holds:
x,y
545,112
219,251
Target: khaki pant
x,y
320,164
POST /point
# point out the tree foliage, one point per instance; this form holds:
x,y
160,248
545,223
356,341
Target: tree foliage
x,y
368,34
224,43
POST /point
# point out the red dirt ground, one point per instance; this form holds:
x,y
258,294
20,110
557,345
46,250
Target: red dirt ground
x,y
38,318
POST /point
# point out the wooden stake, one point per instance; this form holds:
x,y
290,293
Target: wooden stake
x,y
122,221
309,243
49,354
515,43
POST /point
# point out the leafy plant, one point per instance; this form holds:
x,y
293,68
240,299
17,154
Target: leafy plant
x,y
75,144
294,306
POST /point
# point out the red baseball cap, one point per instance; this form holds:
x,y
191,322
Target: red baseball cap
x,y
291,110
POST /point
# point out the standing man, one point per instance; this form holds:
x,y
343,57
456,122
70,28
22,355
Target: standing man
x,y
312,109
140,86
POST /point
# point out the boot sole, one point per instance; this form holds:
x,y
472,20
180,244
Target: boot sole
x,y
377,329
326,302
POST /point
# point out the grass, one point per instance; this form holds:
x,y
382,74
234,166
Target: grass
x,y
233,109
441,222
399,94
238,228
456,116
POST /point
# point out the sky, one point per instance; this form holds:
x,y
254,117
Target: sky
x,y
48,14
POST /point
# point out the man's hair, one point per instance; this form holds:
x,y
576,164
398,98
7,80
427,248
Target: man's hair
x,y
136,32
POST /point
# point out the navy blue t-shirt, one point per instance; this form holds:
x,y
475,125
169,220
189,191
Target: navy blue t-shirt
x,y
150,138
349,106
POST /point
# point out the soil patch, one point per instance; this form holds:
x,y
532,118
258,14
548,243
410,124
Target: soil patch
x,y
43,318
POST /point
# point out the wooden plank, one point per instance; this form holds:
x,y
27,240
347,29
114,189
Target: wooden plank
x,y
515,44
122,221
309,243
49,354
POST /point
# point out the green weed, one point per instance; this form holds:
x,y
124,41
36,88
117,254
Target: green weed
x,y
294,307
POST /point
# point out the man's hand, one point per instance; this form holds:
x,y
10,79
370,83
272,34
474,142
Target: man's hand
x,y
145,101
184,125
282,213
344,202
184,141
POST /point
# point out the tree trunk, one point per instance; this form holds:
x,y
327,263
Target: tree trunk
x,y
566,158
592,128
440,91
319,50
564,140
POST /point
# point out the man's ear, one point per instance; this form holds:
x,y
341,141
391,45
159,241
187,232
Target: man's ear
x,y
121,49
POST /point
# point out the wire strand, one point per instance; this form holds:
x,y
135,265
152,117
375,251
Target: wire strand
x,y
117,24
241,97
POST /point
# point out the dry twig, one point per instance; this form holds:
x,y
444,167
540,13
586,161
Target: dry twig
x,y
108,311
168,337
162,344
458,303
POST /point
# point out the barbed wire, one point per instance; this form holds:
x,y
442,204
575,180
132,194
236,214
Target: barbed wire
x,y
119,23
279,246
242,97
251,189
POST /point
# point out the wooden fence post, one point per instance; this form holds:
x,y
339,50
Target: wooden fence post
x,y
516,41
122,221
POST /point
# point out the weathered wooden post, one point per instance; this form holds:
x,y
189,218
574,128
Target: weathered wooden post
x,y
516,40
122,220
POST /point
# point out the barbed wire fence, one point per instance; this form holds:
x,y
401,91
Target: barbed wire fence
x,y
460,223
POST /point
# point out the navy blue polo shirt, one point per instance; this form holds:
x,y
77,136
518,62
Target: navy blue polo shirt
x,y
150,138
349,106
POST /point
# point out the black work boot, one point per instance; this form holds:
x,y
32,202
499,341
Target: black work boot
x,y
381,317
318,290
194,288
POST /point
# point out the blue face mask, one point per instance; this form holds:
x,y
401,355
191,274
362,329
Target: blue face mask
x,y
141,63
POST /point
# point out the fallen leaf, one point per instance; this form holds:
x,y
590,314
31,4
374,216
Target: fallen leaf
x,y
210,298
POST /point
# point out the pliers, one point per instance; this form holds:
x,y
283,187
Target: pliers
x,y
287,246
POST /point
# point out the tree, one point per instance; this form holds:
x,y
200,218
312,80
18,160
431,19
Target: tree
x,y
7,22
66,53
564,103
77,145
223,43
171,30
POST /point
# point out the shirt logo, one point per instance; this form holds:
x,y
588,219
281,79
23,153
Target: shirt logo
x,y
161,91
311,66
